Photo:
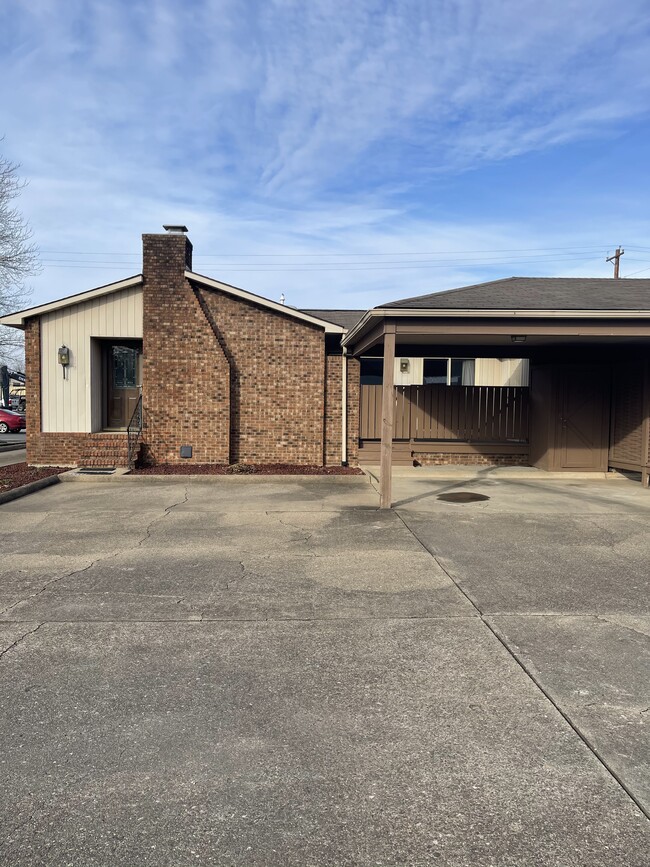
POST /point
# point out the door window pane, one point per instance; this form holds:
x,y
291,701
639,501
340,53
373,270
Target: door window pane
x,y
125,367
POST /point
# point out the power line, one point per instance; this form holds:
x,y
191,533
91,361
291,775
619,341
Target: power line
x,y
321,255
542,258
359,267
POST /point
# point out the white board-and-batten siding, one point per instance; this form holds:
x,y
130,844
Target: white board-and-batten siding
x,y
74,404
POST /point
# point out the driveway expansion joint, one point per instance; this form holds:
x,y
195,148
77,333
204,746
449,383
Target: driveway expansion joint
x,y
501,638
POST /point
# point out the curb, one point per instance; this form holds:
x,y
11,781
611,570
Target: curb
x,y
29,488
253,478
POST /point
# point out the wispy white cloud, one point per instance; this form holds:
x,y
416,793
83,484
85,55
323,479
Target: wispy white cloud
x,y
305,127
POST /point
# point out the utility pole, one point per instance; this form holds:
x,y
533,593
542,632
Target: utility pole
x,y
616,258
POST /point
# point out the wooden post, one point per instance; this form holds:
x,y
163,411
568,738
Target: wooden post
x,y
645,427
387,419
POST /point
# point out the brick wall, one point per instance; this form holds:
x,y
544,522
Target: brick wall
x,y
185,374
277,395
333,409
354,398
33,392
233,379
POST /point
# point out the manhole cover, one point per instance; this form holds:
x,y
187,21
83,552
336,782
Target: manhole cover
x,y
462,497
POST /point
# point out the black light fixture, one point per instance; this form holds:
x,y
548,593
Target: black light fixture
x,y
518,338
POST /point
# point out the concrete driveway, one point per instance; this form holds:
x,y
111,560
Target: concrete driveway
x,y
273,672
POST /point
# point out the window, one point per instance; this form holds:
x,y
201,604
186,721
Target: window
x,y
125,367
435,371
372,371
462,371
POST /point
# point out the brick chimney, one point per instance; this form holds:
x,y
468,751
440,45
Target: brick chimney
x,y
166,257
185,375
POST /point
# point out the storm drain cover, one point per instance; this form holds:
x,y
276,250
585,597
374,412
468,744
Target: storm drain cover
x,y
462,497
96,471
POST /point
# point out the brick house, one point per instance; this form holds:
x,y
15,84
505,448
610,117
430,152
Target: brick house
x,y
548,372
226,375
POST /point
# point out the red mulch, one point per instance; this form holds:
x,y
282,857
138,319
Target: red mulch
x,y
243,469
16,475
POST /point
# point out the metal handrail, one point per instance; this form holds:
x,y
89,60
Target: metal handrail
x,y
133,432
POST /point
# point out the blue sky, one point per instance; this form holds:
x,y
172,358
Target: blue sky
x,y
343,154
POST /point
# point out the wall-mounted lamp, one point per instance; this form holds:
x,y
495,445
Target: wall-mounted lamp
x,y
404,365
518,338
64,358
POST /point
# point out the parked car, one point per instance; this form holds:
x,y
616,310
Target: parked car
x,y
11,422
17,403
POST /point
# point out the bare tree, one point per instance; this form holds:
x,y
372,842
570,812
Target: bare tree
x,y
18,259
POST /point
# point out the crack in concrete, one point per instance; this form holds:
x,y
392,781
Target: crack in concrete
x,y
21,639
138,544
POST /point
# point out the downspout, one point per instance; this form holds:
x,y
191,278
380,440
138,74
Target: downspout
x,y
344,408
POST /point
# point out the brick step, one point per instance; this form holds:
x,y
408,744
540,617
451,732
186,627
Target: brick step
x,y
106,450
103,462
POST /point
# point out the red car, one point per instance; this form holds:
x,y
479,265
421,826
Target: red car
x,y
11,422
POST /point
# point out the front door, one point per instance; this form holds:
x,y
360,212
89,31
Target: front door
x,y
583,419
122,376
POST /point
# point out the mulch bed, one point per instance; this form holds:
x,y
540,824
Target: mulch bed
x,y
243,469
17,475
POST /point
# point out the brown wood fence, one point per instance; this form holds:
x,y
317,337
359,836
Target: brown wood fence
x,y
466,413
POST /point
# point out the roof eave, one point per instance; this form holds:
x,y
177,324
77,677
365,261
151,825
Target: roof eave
x,y
432,313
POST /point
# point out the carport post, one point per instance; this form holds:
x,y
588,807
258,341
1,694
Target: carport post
x,y
387,418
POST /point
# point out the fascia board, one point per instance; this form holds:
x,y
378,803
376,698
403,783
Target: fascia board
x,y
433,313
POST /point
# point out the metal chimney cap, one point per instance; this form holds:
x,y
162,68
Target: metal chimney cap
x,y
176,230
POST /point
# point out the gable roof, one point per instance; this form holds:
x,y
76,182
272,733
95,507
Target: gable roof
x,y
328,324
537,293
17,319
286,310
344,318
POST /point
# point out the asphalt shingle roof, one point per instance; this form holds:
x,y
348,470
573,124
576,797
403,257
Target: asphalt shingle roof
x,y
538,293
345,318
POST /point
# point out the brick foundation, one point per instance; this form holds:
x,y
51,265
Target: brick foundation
x,y
78,450
434,459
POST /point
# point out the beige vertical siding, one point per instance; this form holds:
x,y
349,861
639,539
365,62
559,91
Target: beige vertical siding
x,y
501,371
74,404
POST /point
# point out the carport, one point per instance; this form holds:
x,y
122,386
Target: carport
x,y
587,406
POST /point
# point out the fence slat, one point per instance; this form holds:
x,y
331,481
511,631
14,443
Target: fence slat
x,y
465,413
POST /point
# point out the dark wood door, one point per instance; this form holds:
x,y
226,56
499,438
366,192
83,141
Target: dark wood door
x,y
582,435
122,370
